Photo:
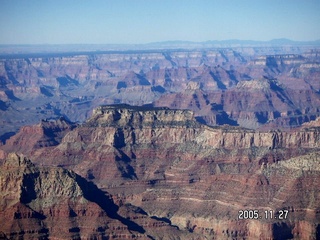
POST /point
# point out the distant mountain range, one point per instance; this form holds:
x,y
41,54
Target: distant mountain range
x,y
6,49
237,42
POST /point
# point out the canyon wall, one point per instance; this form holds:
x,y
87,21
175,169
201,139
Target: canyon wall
x,y
42,202
250,87
193,176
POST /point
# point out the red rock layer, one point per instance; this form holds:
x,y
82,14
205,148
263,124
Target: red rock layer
x,y
249,87
56,203
195,176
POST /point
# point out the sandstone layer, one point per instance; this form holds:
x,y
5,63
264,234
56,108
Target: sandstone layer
x,y
250,87
55,203
194,176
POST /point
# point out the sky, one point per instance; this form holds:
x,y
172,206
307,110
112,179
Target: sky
x,y
145,21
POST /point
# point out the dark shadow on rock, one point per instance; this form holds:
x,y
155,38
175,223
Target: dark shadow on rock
x,y
223,118
200,120
166,220
74,230
143,81
121,84
261,117
34,214
3,236
119,139
3,106
123,165
11,96
216,78
67,81
163,219
281,231
6,136
92,193
47,91
28,192
158,89
135,209
72,213
280,92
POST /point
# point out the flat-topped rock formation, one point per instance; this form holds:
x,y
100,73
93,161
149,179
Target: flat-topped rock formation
x,y
251,87
135,116
194,176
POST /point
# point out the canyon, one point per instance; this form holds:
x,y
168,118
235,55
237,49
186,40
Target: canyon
x,y
166,143
57,203
252,87
189,178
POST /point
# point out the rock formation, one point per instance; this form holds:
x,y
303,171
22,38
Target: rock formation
x,y
219,143
193,176
250,87
42,202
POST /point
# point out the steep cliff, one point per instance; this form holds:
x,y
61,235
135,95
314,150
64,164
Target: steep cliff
x,y
46,133
39,202
195,176
220,85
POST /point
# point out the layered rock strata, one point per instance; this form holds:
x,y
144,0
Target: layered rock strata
x,y
249,87
56,203
195,176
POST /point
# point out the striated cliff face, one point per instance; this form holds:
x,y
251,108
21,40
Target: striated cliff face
x,y
194,176
46,133
39,202
177,126
252,104
125,116
249,87
34,200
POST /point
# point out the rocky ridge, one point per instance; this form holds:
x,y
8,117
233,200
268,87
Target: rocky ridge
x,y
38,202
196,176
217,84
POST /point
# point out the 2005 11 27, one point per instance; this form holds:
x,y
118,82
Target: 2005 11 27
x,y
266,214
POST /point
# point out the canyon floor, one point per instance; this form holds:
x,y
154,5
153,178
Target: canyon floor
x,y
219,143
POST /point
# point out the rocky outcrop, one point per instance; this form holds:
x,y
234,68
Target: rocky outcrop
x,y
39,202
279,60
126,116
315,123
42,203
252,104
35,87
45,134
198,177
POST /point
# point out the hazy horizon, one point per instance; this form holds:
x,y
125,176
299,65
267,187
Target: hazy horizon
x,y
169,42
143,22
